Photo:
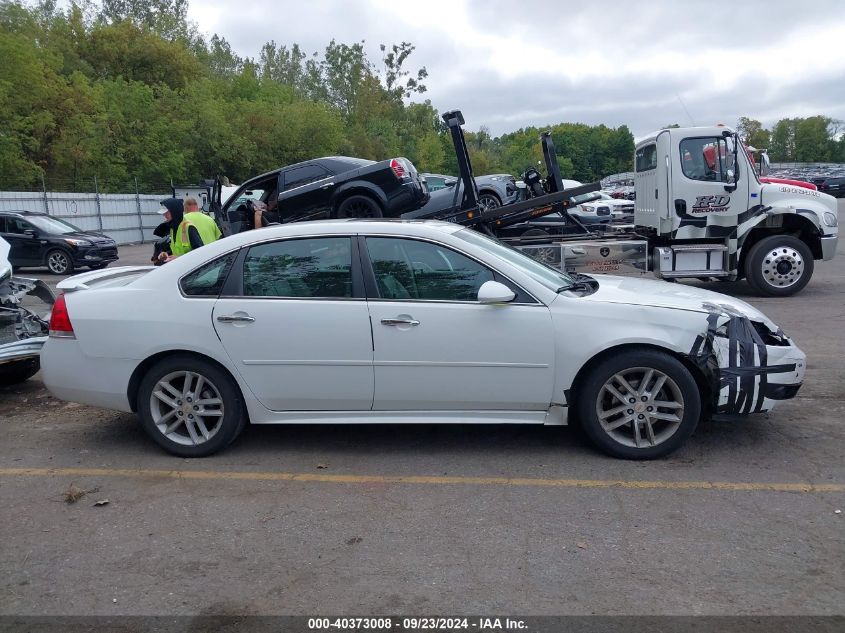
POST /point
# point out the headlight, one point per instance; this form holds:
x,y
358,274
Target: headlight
x,y
77,242
830,219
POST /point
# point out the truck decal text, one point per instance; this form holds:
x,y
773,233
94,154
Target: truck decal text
x,y
711,204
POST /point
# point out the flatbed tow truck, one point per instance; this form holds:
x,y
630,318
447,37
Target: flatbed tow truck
x,y
701,212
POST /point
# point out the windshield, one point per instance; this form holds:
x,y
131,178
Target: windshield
x,y
52,225
550,277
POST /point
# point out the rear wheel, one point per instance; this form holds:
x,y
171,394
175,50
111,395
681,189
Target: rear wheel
x,y
59,262
639,404
359,207
18,371
190,407
779,265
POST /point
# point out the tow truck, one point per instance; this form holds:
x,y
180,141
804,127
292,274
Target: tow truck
x,y
694,218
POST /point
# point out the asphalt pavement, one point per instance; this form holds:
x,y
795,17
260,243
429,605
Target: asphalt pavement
x,y
432,520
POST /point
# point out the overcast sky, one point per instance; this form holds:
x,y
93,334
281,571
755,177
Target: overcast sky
x,y
513,64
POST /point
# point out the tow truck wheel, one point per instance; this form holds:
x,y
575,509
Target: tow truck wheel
x,y
639,404
779,266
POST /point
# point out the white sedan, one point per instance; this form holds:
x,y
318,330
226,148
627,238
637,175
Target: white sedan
x,y
405,322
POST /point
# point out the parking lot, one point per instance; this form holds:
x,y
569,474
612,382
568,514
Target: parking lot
x,y
434,520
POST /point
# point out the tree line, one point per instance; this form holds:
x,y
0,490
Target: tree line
x,y
130,91
815,139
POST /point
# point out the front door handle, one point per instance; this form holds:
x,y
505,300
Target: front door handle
x,y
328,185
400,321
236,318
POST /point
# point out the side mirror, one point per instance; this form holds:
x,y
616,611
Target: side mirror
x,y
31,232
495,292
729,177
765,167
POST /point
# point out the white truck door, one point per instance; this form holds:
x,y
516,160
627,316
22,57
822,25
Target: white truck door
x,y
703,198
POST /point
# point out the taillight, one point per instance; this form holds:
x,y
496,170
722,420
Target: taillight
x,y
398,168
60,325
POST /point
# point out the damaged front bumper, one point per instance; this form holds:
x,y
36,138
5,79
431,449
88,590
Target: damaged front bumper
x,y
750,367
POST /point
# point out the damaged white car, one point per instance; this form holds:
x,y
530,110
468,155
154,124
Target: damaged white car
x,y
24,312
406,322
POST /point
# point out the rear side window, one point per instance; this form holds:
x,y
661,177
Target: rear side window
x,y
646,158
299,176
411,269
299,268
208,280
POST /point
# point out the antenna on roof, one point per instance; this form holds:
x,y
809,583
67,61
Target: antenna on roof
x,y
684,106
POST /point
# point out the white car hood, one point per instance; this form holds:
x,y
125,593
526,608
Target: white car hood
x,y
663,294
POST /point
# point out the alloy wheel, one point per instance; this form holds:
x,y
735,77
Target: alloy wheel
x,y
58,262
186,408
640,407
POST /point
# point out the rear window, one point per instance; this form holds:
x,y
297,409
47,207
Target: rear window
x,y
646,158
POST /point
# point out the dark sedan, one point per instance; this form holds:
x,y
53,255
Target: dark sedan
x,y
37,239
330,187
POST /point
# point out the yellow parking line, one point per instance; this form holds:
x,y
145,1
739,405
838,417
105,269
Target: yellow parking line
x,y
425,480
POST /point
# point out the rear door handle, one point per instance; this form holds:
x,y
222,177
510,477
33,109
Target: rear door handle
x,y
236,318
399,321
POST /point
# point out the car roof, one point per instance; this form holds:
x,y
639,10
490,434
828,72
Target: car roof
x,y
24,212
385,226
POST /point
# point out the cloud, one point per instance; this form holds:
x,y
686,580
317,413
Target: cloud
x,y
509,65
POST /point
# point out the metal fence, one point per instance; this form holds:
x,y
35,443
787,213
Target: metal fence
x,y
126,218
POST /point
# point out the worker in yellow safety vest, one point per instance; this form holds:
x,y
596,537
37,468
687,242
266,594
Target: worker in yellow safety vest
x,y
189,228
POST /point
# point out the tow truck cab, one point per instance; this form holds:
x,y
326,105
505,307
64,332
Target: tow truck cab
x,y
704,209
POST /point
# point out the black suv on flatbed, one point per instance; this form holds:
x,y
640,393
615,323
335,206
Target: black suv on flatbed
x,y
331,187
38,239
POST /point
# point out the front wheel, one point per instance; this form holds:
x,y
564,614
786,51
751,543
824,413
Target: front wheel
x,y
359,207
639,404
190,407
489,201
59,262
779,266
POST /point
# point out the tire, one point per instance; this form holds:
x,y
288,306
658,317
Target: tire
x,y
359,206
779,266
99,266
18,371
679,392
59,262
489,200
219,394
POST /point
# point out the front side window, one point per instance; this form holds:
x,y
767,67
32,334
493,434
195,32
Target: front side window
x,y
298,268
707,159
208,280
18,226
411,269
